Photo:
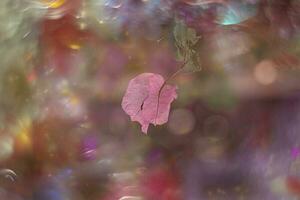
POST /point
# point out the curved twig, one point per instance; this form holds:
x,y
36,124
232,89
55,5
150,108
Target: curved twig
x,y
163,85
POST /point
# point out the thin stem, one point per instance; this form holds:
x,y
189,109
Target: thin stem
x,y
165,82
172,76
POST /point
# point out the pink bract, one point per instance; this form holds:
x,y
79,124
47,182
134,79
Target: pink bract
x,y
143,103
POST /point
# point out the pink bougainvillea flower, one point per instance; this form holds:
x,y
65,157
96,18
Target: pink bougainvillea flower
x,y
147,100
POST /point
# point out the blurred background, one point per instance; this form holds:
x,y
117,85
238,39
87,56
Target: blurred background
x,y
233,132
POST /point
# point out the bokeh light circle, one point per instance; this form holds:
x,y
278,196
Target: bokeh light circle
x,y
181,121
